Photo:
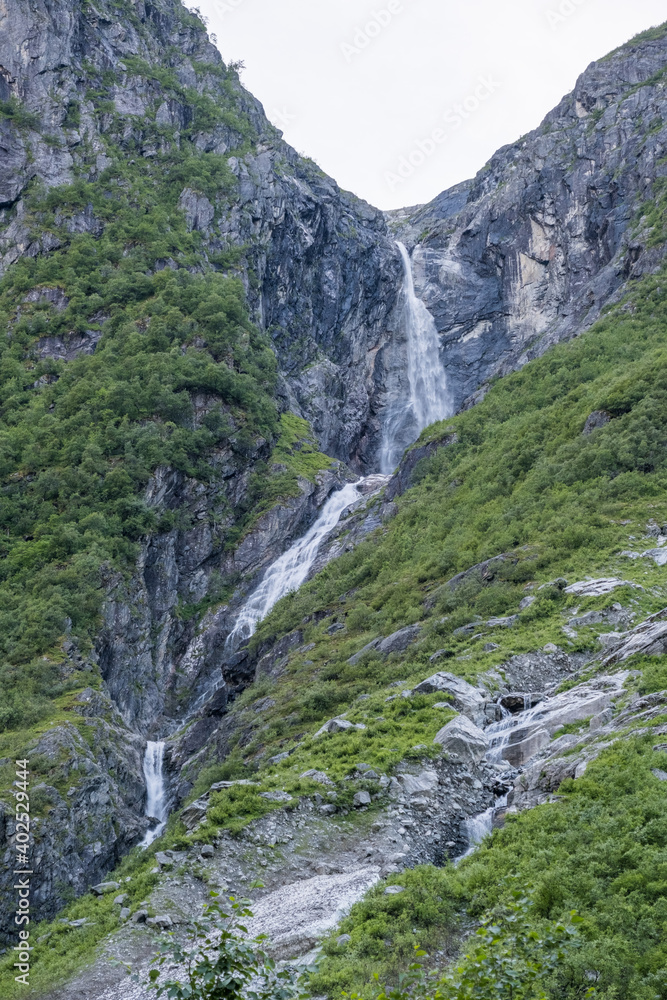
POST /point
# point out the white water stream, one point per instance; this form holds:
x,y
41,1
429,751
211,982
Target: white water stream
x,y
156,801
499,735
428,402
429,399
291,569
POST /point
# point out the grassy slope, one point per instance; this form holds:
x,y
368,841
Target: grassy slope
x,y
521,479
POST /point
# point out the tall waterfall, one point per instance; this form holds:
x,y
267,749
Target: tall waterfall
x,y
289,571
429,399
156,801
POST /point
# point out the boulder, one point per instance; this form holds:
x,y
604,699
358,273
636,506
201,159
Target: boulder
x,y
194,814
207,851
419,784
519,701
394,890
597,419
465,698
318,776
598,588
399,641
140,917
368,648
524,744
463,738
361,799
337,726
104,887
164,860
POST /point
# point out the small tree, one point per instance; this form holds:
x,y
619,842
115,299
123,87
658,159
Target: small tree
x,y
219,962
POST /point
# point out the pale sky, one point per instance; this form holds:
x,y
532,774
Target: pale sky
x,y
363,86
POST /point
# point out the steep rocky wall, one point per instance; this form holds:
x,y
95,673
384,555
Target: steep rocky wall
x,y
321,273
530,251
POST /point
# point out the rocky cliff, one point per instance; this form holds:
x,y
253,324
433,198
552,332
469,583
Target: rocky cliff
x,y
104,101
552,228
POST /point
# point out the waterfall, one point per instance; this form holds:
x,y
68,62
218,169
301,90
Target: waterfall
x,y
156,799
429,399
289,571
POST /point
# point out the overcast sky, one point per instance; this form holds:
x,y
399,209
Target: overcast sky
x,y
363,86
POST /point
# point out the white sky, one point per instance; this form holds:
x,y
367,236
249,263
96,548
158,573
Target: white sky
x,y
359,102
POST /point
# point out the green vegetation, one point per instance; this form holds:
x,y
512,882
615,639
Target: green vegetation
x,y
220,962
601,850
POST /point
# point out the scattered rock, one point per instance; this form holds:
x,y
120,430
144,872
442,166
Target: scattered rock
x,y
361,799
598,588
194,814
597,419
104,887
399,641
465,697
337,726
463,738
518,701
442,654
319,776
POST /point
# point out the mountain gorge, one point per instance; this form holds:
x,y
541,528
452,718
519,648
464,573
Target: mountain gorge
x,y
207,346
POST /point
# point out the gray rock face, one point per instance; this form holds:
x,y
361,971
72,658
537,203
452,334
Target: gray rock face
x,y
89,828
463,738
465,698
529,252
153,662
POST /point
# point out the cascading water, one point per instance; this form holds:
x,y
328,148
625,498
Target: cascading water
x,y
429,399
289,571
156,798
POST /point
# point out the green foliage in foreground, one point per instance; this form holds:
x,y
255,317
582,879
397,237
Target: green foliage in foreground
x,y
601,849
220,963
508,960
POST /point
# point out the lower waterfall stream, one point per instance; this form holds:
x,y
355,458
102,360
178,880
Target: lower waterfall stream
x,y
156,792
428,401
291,569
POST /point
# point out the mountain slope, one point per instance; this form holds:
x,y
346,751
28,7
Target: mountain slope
x,y
200,326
